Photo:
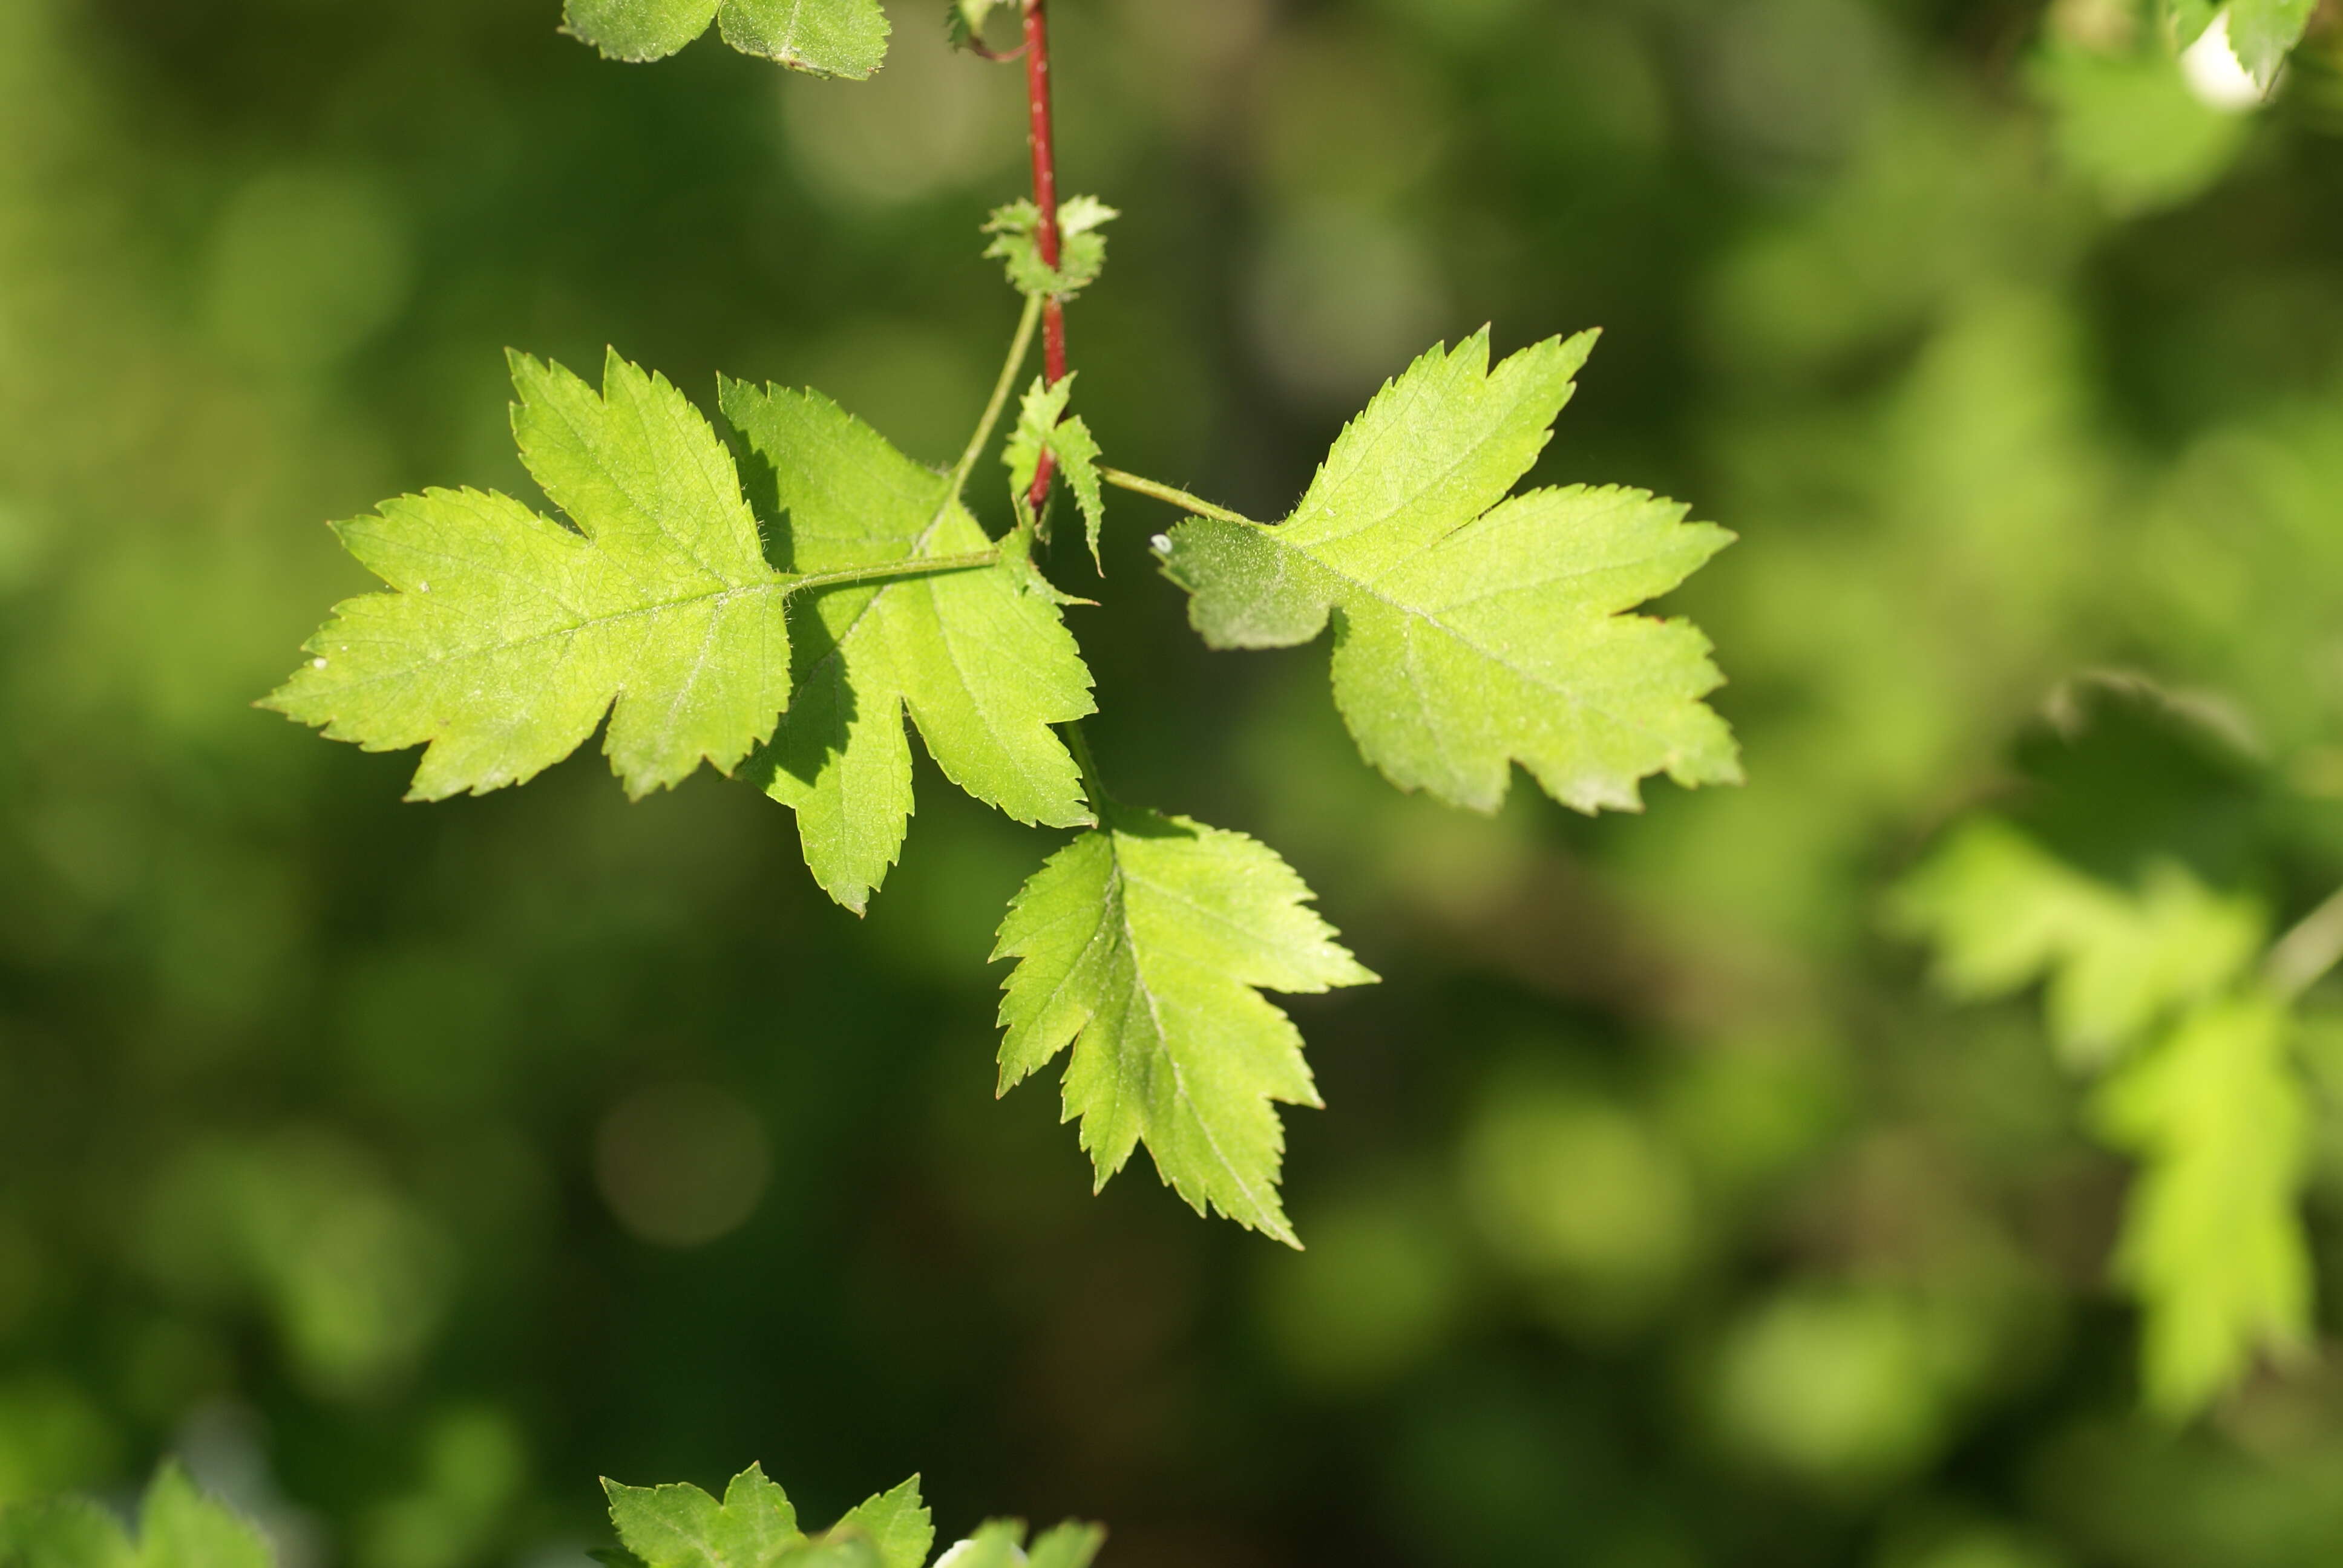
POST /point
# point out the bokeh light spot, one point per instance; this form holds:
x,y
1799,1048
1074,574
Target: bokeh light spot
x,y
681,1164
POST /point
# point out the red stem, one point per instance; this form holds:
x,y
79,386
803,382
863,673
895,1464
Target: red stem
x,y
1043,138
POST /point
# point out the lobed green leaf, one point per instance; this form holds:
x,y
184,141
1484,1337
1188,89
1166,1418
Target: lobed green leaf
x,y
179,1527
2002,913
979,659
755,1526
507,636
2213,1240
1472,630
824,38
1143,946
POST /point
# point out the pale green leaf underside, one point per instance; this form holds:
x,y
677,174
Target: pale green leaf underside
x,y
983,664
1473,630
1140,945
2212,1241
507,636
2002,913
827,38
179,1527
755,1526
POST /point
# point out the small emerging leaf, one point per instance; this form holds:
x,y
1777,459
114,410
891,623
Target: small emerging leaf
x,y
1082,246
1042,426
1141,945
507,636
1471,629
2212,1240
964,19
825,38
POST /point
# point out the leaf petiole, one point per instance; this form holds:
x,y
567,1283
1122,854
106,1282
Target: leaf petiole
x,y
915,566
1180,498
1093,787
1019,347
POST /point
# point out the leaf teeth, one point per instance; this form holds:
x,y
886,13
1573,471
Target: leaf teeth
x,y
1144,946
1475,630
981,661
507,636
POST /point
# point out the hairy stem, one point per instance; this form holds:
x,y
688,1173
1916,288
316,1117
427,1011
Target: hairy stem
x,y
916,566
2313,946
1018,346
1041,136
1180,498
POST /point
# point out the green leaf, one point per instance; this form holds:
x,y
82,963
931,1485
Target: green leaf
x,y
179,1527
1140,945
2212,1241
66,1532
826,37
897,1525
2262,33
2189,18
1465,636
839,1552
1082,246
1070,1545
1042,426
637,29
997,1544
2002,913
507,636
2127,122
979,658
964,19
682,1527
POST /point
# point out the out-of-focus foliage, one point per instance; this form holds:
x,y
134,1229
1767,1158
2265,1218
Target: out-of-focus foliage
x,y
405,1168
179,1527
2216,1112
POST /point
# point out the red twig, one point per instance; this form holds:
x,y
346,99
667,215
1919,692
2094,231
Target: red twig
x,y
1043,139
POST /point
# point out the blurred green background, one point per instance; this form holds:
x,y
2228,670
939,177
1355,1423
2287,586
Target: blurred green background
x,y
406,1168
